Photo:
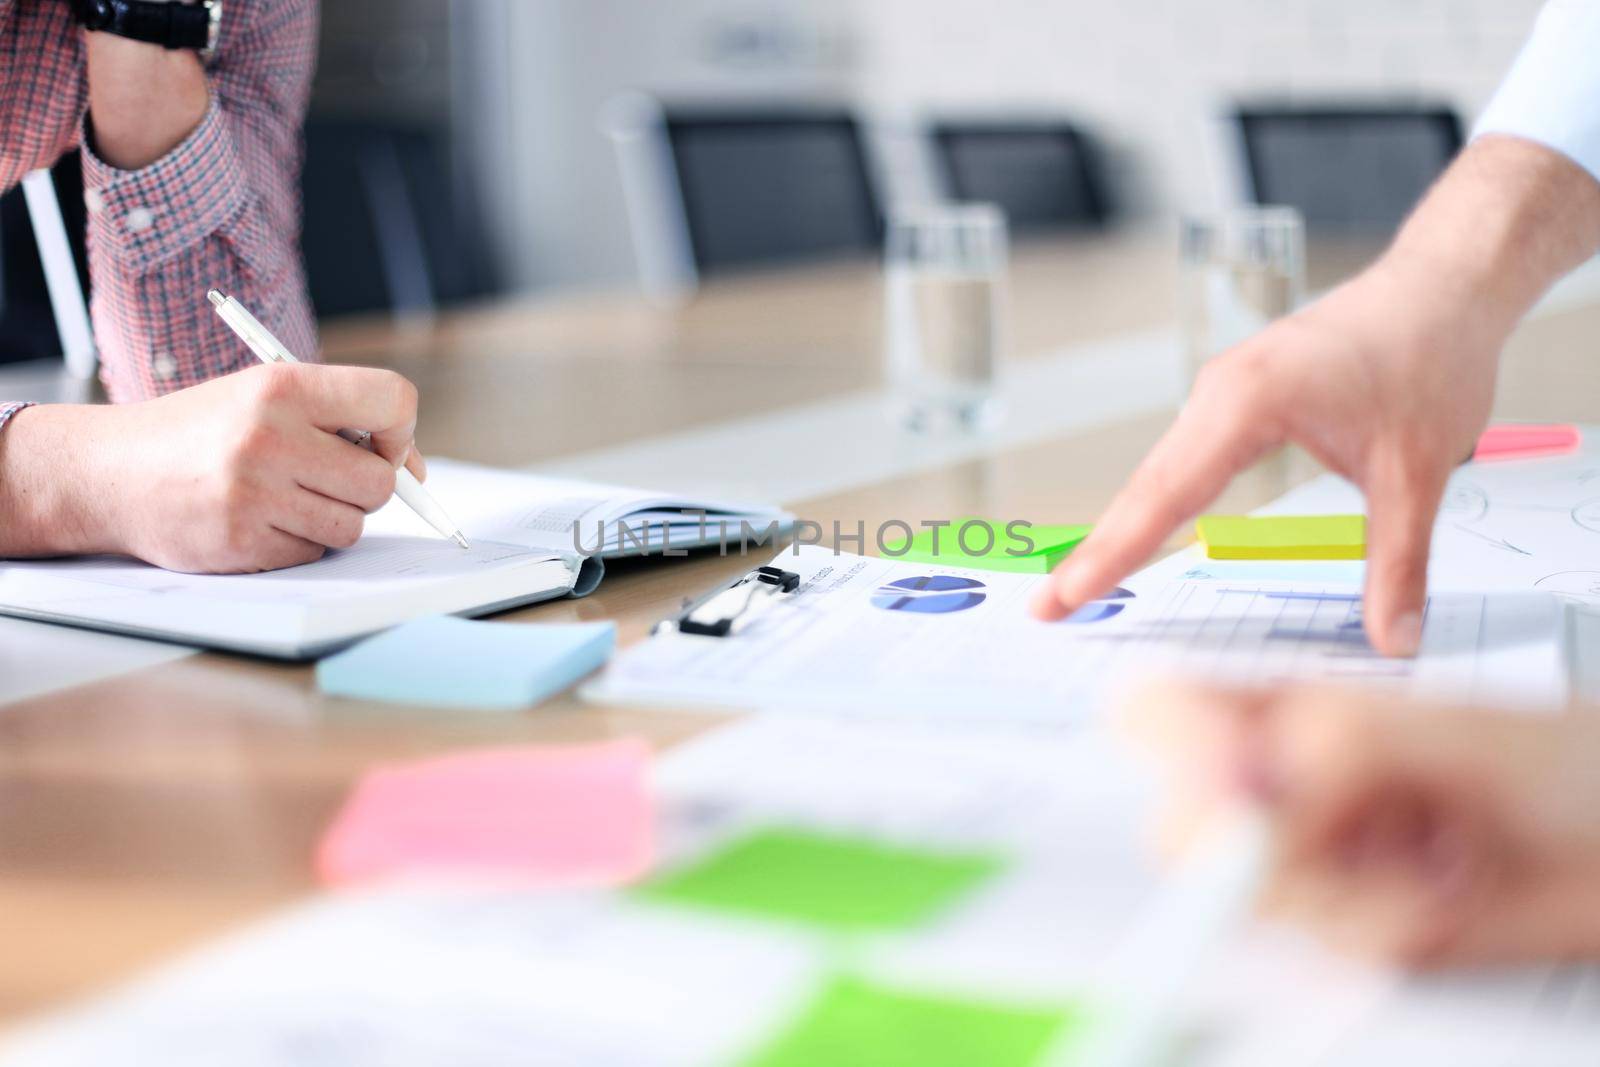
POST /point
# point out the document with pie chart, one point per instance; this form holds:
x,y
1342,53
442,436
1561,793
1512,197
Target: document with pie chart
x,y
877,636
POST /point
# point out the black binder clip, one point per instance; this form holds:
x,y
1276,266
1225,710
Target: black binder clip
x,y
726,610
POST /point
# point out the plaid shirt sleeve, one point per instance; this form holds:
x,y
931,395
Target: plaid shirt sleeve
x,y
41,93
221,209
42,88
8,410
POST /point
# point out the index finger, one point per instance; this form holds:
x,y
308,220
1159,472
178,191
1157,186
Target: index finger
x,y
365,398
1191,464
416,464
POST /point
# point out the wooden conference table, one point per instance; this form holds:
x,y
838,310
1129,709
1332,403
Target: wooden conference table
x,y
143,814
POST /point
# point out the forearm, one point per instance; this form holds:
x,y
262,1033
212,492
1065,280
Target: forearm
x,y
217,208
50,500
1507,220
161,235
143,99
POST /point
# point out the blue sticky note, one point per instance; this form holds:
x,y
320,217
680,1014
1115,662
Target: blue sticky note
x,y
443,660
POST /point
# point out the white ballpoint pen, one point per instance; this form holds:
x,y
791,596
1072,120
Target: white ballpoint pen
x,y
1145,979
269,349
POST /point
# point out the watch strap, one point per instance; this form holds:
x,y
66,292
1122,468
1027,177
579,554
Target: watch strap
x,y
173,26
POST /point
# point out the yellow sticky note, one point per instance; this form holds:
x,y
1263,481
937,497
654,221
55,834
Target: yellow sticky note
x,y
1284,536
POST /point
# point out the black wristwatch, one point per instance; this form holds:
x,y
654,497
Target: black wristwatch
x,y
171,25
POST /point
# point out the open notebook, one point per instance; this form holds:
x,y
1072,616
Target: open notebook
x,y
532,539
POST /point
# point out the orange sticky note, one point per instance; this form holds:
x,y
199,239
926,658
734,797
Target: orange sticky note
x,y
575,815
1527,441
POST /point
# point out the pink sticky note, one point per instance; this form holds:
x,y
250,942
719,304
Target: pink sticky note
x,y
576,815
1526,441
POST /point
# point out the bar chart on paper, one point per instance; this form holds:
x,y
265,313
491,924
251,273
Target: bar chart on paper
x,y
1484,647
896,637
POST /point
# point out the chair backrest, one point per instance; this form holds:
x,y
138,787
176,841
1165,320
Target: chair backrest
x,y
384,228
1357,168
752,187
28,322
1044,175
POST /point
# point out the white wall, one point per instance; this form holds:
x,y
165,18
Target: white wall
x,y
554,176
1147,75
1143,74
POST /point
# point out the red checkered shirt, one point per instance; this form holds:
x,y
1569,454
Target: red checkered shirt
x,y
221,209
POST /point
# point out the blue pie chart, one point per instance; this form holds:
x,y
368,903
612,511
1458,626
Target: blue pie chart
x,y
930,594
1107,607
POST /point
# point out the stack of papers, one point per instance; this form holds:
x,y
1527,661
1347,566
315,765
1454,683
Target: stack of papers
x,y
838,885
881,637
1514,546
1513,525
953,895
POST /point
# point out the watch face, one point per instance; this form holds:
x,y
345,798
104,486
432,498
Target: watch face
x,y
98,14
213,27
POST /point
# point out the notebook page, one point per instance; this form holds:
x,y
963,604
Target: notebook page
x,y
520,526
375,563
381,581
533,510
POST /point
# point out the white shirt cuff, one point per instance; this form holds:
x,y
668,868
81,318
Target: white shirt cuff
x,y
1552,94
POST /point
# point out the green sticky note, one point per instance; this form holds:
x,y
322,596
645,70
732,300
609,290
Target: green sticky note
x,y
1284,536
992,546
844,884
854,1023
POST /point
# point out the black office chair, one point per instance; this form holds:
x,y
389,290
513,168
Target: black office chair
x,y
1354,169
27,323
384,227
1044,175
769,187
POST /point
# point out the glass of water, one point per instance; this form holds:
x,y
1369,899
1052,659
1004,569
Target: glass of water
x,y
1239,271
945,281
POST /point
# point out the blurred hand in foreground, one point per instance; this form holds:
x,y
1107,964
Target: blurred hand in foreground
x,y
1408,834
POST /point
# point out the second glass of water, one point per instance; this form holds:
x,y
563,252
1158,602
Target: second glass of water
x,y
1239,271
946,270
